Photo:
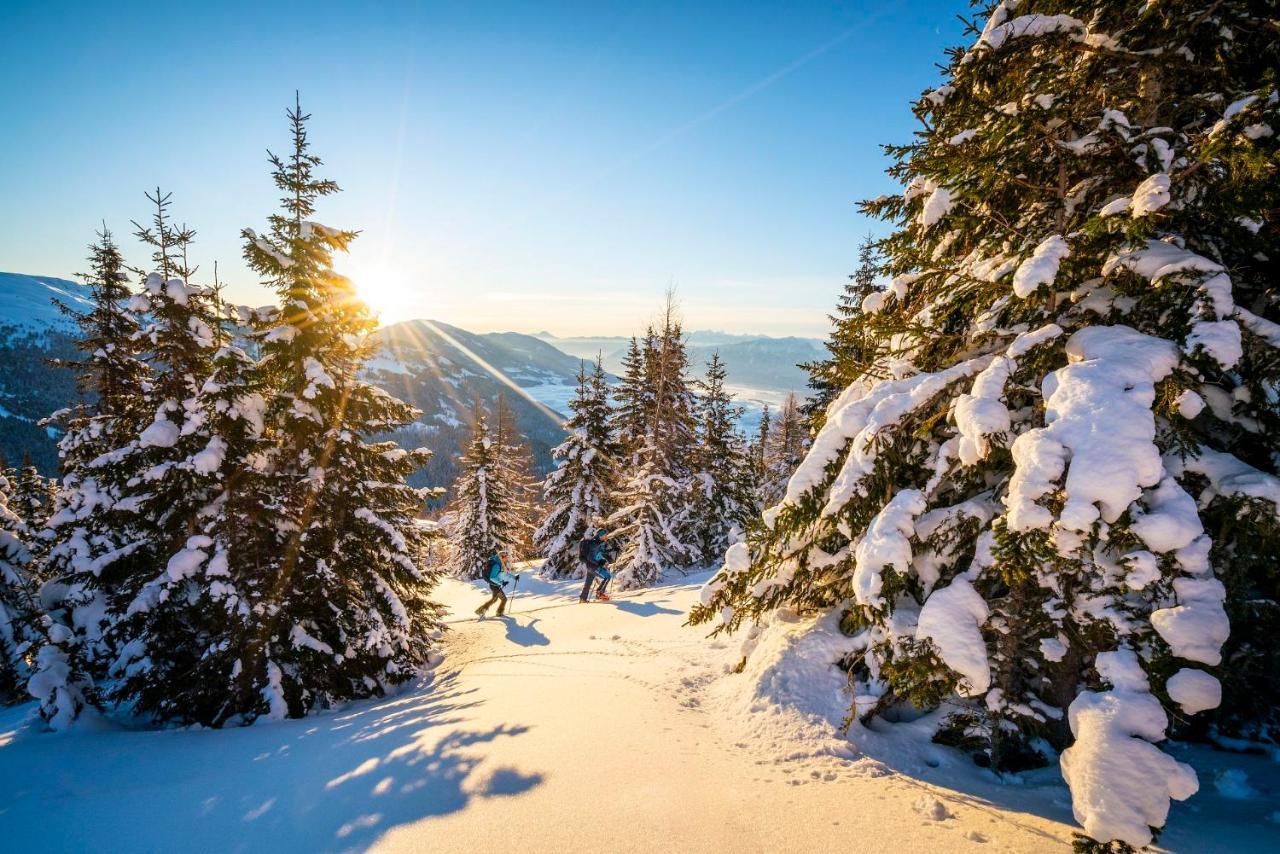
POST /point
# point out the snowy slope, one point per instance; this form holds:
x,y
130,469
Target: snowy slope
x,y
440,368
564,728
444,370
32,331
27,301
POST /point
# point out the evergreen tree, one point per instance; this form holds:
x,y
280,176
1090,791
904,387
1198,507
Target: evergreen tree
x,y
33,493
332,605
1022,503
154,635
514,474
723,497
653,515
111,373
849,348
577,492
19,610
89,528
634,397
177,611
482,508
783,449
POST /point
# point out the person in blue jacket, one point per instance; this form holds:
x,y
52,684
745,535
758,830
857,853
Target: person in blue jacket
x,y
498,577
594,554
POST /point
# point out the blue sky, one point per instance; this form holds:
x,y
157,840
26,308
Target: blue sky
x,y
516,166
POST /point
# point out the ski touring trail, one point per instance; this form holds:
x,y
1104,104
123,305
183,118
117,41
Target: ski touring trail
x,y
559,727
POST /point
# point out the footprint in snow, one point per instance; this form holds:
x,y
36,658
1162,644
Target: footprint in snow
x,y
932,809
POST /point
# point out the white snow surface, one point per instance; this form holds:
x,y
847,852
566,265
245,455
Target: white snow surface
x,y
886,544
567,727
161,433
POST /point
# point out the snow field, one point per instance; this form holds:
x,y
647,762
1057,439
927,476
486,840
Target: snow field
x,y
599,727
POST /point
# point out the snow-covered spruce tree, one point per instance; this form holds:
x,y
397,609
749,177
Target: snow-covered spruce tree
x,y
849,349
1023,506
482,507
723,495
652,516
514,474
175,604
33,494
87,529
634,396
153,634
577,492
19,607
337,608
783,449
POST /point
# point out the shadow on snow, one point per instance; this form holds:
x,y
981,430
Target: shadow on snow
x,y
644,609
333,782
526,634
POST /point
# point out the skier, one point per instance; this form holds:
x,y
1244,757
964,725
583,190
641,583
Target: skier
x,y
497,576
593,554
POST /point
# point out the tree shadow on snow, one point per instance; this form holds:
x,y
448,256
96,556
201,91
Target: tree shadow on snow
x,y
644,609
345,780
904,749
526,634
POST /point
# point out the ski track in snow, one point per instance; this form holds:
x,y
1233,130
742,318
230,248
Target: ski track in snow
x,y
563,727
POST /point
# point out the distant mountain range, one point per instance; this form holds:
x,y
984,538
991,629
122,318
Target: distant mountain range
x,y
444,370
761,370
441,369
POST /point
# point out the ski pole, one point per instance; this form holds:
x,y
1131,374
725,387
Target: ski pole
x,y
515,585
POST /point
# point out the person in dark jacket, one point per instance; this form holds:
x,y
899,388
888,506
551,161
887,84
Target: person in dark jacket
x,y
593,552
498,577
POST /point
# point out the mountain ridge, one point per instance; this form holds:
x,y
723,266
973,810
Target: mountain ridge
x,y
440,368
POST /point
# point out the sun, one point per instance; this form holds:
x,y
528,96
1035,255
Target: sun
x,y
384,289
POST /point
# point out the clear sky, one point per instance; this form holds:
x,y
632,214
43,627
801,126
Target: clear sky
x,y
513,166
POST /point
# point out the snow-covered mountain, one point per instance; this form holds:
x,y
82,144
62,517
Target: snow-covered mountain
x,y
32,331
444,370
762,370
441,369
27,302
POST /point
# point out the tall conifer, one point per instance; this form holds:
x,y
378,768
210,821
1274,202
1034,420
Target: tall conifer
x,y
1032,505
335,605
653,515
722,486
578,491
